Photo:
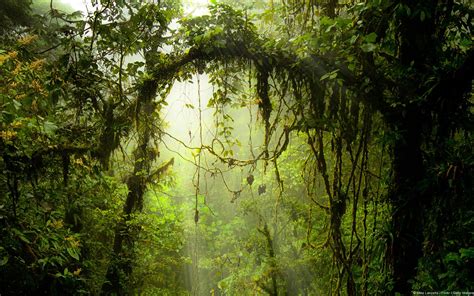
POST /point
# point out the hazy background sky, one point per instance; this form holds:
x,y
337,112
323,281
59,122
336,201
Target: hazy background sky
x,y
193,7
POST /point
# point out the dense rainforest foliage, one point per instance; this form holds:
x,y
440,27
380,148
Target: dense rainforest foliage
x,y
321,147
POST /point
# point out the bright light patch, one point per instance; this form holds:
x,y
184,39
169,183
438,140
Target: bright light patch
x,y
191,7
75,4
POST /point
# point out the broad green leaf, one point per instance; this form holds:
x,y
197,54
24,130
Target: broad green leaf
x,y
73,253
368,47
467,253
21,235
371,38
49,128
4,261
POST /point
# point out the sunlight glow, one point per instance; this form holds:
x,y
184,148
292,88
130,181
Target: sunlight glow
x,y
190,7
75,4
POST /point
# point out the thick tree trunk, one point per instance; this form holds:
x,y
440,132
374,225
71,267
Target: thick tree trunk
x,y
406,197
273,290
120,267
